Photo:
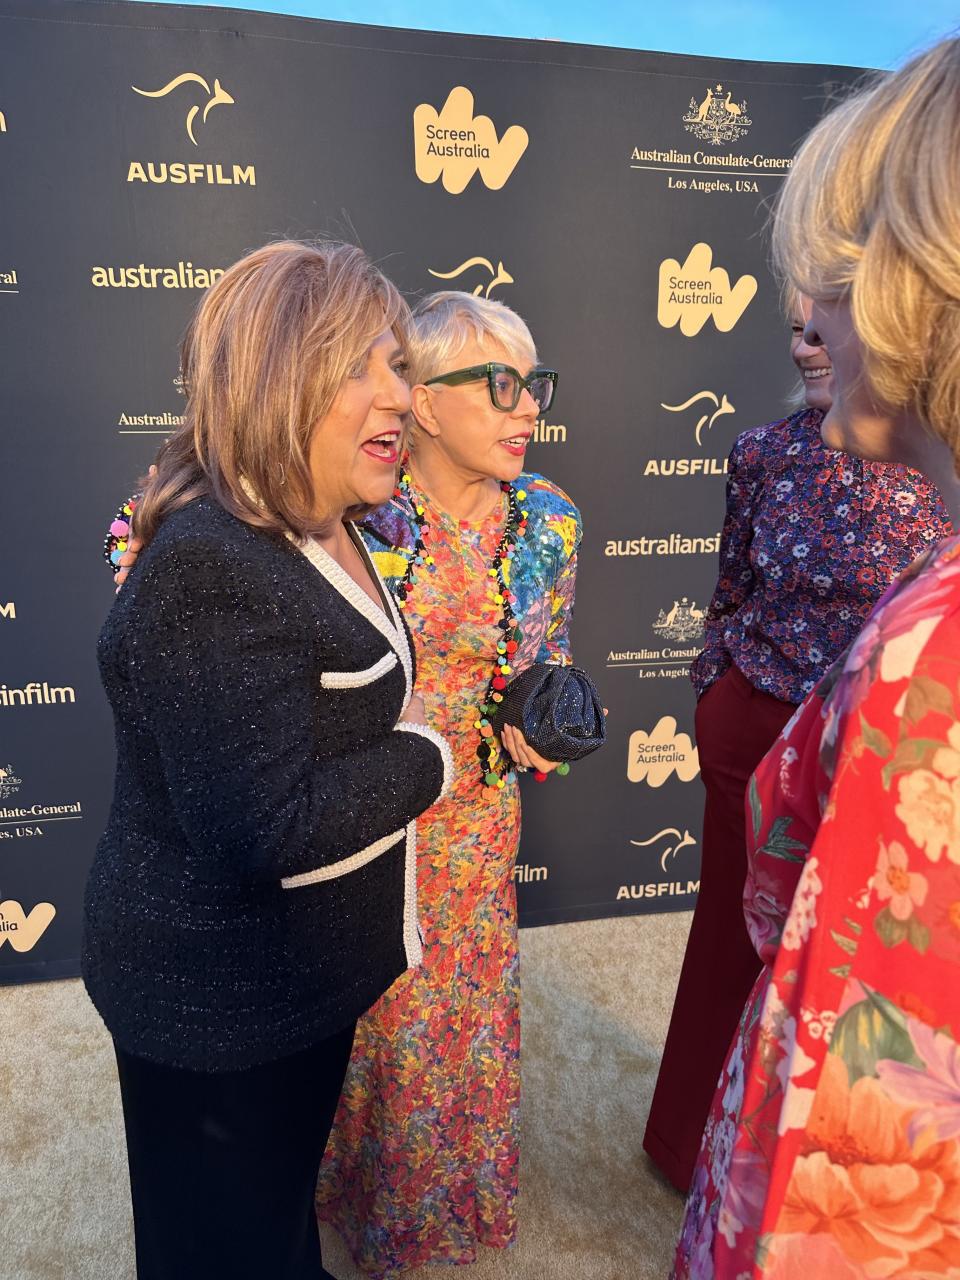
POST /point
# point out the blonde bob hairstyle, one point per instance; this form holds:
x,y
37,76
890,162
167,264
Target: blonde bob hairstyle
x,y
871,212
270,346
445,322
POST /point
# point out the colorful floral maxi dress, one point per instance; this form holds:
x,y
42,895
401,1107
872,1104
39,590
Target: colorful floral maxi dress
x,y
422,1162
833,1145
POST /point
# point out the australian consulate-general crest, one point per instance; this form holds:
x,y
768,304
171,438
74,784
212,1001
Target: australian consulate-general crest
x,y
716,118
683,622
9,783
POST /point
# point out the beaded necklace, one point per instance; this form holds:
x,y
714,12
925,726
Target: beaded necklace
x,y
495,766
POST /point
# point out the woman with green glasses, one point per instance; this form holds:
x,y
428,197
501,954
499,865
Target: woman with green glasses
x,y
422,1162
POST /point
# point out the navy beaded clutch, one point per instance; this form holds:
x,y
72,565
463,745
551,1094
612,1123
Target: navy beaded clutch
x,y
557,709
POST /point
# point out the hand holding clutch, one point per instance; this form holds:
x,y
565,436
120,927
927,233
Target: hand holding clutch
x,y
557,709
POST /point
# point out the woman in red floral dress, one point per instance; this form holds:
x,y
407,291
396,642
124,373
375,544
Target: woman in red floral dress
x,y
833,1145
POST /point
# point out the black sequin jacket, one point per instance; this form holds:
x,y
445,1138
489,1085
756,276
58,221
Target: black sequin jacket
x,y
255,888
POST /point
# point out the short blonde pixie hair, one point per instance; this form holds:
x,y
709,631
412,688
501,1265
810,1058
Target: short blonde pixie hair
x,y
445,322
267,351
871,210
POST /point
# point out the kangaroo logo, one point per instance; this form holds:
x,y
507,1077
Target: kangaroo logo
x,y
707,419
678,842
692,293
456,144
499,276
218,96
24,931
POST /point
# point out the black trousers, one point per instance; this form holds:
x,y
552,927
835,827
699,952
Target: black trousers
x,y
223,1166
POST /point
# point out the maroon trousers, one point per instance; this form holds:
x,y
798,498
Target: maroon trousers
x,y
736,725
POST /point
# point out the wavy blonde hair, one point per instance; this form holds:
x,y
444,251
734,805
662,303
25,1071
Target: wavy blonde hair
x,y
871,211
270,346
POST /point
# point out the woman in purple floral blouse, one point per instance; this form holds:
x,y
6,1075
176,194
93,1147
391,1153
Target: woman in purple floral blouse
x,y
811,540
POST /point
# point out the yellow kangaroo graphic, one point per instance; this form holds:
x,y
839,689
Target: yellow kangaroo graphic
x,y
500,276
706,420
218,95
682,842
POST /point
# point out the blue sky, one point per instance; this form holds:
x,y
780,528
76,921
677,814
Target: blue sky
x,y
854,32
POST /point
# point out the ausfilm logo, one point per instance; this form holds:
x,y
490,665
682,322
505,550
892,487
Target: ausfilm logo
x,y
35,694
701,411
8,611
667,844
193,91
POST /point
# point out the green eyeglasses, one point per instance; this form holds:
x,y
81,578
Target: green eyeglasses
x,y
505,384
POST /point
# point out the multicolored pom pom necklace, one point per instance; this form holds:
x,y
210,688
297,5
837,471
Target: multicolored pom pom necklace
x,y
496,767
118,535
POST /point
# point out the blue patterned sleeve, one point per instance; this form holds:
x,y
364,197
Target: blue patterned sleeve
x,y
556,642
736,580
562,519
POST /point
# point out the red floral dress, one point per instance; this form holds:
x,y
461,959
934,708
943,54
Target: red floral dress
x,y
833,1146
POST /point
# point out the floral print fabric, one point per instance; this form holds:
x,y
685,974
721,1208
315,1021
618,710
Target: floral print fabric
x,y
422,1162
833,1145
811,540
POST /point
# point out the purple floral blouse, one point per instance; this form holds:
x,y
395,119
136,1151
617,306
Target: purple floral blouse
x,y
811,540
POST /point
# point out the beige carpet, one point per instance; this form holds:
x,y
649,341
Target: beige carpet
x,y
596,1001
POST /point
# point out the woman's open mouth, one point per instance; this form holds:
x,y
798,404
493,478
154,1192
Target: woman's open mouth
x,y
384,447
517,445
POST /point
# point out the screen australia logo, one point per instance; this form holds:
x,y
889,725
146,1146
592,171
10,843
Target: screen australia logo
x,y
690,294
194,93
654,756
715,118
22,930
455,144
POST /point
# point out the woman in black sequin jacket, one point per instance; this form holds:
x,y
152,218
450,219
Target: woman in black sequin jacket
x,y
255,891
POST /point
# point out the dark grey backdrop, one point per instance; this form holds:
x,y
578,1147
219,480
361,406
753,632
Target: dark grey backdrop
x,y
324,113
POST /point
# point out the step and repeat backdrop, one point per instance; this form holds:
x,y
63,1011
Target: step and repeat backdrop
x,y
616,199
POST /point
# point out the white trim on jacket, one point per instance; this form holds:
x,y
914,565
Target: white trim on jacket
x,y
392,629
389,626
357,679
